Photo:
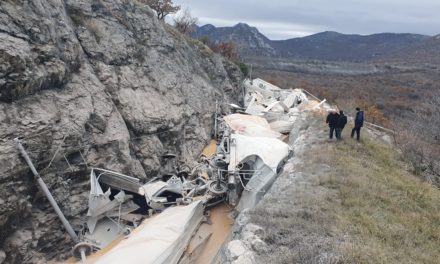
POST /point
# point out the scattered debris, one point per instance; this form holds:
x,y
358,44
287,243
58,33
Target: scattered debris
x,y
158,221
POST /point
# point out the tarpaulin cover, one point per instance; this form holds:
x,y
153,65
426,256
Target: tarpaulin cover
x,y
248,125
163,239
282,126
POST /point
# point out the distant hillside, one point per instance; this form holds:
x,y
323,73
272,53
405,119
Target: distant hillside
x,y
327,45
248,40
426,51
335,46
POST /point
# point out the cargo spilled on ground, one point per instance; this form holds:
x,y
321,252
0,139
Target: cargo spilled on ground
x,y
180,215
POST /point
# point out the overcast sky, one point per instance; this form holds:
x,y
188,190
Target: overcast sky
x,y
282,19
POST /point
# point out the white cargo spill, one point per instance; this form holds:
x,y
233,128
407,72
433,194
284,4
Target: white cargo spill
x,y
262,97
249,125
255,140
282,126
161,240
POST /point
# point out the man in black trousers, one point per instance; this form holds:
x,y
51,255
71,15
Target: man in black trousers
x,y
332,120
342,121
358,123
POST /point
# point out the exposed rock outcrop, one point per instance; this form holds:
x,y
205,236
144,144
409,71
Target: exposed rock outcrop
x,y
100,83
248,40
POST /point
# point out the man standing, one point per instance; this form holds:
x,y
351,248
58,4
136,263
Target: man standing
x,y
332,120
342,121
358,123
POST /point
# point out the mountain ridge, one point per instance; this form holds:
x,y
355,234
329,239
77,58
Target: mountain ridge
x,y
248,40
327,45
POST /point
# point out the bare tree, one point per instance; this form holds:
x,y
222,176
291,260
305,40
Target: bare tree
x,y
226,49
185,22
162,7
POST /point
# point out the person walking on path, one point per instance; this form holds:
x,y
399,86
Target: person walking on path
x,y
340,124
358,124
332,120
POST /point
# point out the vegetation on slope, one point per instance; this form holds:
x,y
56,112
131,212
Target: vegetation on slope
x,y
406,101
389,215
352,202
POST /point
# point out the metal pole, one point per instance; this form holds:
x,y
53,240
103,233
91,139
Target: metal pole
x,y
215,120
250,74
46,191
83,256
309,93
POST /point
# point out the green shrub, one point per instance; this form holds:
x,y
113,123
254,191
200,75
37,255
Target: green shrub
x,y
244,68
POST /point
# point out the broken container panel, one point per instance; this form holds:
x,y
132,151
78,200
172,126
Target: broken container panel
x,y
258,184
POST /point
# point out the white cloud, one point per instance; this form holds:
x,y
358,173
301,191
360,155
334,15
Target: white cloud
x,y
275,30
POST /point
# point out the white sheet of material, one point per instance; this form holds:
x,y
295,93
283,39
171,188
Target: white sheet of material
x,y
271,150
256,110
97,201
248,125
253,97
264,85
282,126
290,100
161,240
254,103
276,106
320,104
150,189
260,87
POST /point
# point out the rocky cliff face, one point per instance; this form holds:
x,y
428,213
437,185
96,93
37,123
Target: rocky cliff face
x,y
248,40
99,83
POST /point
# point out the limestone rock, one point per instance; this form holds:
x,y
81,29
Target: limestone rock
x,y
253,228
259,246
235,249
246,258
250,232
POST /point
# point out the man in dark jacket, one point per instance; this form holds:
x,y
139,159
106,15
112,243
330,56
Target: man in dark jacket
x,y
358,123
342,121
332,120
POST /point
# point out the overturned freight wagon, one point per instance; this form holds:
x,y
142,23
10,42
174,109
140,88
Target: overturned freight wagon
x,y
165,220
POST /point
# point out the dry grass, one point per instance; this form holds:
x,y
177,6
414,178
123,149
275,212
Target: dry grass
x,y
365,207
388,214
298,214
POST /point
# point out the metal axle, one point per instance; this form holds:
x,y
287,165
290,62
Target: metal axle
x,y
46,191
